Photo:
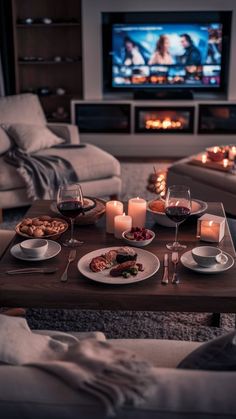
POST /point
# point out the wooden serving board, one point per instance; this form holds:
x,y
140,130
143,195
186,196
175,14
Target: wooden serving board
x,y
197,161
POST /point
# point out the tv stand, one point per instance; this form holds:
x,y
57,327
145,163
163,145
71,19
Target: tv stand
x,y
176,94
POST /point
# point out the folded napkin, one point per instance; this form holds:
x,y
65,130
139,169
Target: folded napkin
x,y
113,375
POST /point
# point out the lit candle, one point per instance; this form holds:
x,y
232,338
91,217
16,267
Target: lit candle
x,y
225,163
204,158
113,208
121,224
232,153
211,228
215,149
137,210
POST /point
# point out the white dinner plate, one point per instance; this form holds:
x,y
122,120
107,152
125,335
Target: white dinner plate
x,y
188,261
150,263
53,249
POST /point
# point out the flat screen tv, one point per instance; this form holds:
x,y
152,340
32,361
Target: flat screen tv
x,y
151,51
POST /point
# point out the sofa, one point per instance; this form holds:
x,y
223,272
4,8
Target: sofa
x,y
205,184
98,171
28,392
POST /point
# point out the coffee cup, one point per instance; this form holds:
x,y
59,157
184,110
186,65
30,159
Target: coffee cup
x,y
208,256
34,248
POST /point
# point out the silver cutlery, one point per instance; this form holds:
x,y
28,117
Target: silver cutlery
x,y
165,278
32,271
71,258
175,261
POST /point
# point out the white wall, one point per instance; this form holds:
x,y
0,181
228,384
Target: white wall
x,y
142,144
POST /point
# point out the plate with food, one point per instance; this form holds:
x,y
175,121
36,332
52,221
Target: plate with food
x,y
41,227
94,209
157,208
119,265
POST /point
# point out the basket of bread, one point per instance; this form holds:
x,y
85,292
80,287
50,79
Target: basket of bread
x,y
43,226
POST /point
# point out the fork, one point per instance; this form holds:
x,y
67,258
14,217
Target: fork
x,y
71,258
175,261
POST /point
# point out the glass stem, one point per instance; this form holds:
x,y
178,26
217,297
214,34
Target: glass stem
x,y
176,232
72,229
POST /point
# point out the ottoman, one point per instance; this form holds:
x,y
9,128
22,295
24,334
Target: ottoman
x,y
205,184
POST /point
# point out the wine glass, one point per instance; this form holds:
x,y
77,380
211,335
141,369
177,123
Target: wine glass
x,y
177,208
70,204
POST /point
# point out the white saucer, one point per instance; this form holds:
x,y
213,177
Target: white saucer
x,y
188,261
53,249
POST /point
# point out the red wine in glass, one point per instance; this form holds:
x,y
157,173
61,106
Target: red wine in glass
x,y
177,208
70,208
70,204
177,214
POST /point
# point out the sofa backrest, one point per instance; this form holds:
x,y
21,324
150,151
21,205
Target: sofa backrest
x,y
24,108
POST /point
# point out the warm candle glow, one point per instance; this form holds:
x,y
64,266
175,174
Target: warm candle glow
x,y
113,208
137,210
122,223
225,162
210,223
215,149
204,158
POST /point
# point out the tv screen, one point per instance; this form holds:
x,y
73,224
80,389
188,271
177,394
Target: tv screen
x,y
166,55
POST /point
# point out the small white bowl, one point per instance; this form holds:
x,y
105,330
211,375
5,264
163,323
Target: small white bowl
x,y
34,248
208,256
138,243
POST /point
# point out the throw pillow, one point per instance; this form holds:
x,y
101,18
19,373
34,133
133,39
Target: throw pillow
x,y
219,355
5,142
32,138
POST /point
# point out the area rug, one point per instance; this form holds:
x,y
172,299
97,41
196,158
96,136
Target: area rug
x,y
128,324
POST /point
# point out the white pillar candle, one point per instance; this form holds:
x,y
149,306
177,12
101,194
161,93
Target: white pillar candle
x,y
225,163
204,158
211,228
121,224
137,210
113,208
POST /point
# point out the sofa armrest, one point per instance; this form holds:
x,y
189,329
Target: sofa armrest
x,y
68,132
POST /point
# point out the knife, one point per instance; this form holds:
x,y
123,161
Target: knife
x,y
32,271
165,278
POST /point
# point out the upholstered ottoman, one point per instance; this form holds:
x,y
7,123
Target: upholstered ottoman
x,y
205,184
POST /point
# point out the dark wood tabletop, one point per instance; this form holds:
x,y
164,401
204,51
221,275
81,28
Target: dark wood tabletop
x,y
196,292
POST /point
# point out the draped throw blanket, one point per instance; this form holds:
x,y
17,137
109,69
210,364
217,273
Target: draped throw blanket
x,y
42,174
112,375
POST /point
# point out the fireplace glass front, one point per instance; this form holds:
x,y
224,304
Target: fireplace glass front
x,y
164,120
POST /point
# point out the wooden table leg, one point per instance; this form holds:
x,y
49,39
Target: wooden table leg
x,y
215,320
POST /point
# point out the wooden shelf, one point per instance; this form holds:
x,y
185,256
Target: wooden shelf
x,y
46,25
45,42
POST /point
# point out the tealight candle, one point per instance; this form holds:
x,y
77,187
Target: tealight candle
x,y
204,158
113,208
211,228
121,224
225,163
232,153
137,208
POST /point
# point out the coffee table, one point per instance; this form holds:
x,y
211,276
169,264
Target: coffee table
x,y
195,293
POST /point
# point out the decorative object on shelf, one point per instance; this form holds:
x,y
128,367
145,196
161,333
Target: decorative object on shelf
x,y
60,114
137,208
46,20
211,228
157,182
216,154
57,59
122,223
225,165
44,91
60,91
113,208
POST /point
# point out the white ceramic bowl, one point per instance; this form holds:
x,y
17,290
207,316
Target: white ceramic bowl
x,y
34,248
208,256
138,243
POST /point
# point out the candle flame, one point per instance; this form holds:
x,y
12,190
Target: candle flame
x,y
215,149
123,214
177,203
225,162
210,223
115,203
137,197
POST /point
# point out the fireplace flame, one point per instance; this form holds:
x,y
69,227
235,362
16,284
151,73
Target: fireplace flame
x,y
166,123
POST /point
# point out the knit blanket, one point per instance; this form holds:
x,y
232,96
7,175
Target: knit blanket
x,y
42,174
111,374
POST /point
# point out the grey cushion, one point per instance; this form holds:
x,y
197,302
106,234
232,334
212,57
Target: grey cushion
x,y
69,132
89,162
218,355
32,138
5,141
24,108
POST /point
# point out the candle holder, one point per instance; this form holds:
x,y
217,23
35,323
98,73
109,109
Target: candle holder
x,y
216,153
211,228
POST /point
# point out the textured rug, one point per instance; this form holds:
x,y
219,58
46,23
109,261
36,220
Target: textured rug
x,y
128,324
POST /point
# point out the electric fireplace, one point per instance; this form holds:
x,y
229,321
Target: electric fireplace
x,y
165,120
